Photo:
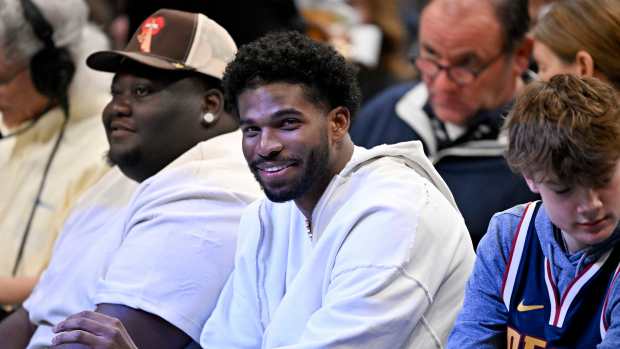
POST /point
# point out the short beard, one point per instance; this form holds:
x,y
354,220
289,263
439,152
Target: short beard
x,y
316,171
130,159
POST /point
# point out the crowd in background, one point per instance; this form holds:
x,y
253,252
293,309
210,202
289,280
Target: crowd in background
x,y
445,73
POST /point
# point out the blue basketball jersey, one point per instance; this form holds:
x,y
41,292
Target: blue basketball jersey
x,y
537,316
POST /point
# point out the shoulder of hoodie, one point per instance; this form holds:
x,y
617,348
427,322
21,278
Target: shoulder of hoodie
x,y
373,181
386,169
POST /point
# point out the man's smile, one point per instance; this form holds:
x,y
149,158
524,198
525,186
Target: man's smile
x,y
274,169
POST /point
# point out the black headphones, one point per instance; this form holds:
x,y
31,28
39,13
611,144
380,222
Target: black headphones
x,y
51,68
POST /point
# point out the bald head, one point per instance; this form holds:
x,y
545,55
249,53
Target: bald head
x,y
458,8
452,20
510,15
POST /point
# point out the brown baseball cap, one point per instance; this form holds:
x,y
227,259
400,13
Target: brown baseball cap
x,y
173,40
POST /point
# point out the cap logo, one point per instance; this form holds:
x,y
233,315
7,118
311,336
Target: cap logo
x,y
149,28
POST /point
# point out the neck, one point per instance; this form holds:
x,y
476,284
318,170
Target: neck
x,y
308,201
225,124
144,169
508,93
137,173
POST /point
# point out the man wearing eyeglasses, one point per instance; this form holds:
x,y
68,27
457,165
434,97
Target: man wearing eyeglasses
x,y
471,57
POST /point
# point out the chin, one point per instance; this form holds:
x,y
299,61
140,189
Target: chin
x,y
123,159
281,194
595,238
279,197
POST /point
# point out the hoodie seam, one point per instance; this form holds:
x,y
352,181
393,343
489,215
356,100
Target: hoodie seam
x,y
260,265
397,268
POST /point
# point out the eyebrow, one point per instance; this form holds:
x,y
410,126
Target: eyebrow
x,y
459,58
275,116
428,48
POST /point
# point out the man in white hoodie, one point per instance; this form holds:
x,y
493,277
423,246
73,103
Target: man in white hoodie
x,y
352,248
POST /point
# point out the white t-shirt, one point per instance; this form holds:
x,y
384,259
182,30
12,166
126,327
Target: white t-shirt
x,y
168,252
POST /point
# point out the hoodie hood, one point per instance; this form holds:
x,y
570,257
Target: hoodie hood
x,y
411,153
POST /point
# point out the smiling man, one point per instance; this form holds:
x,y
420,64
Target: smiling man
x,y
471,58
352,247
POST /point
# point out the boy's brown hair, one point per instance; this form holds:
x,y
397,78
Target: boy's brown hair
x,y
567,129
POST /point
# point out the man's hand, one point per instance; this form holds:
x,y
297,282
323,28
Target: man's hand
x,y
95,330
16,330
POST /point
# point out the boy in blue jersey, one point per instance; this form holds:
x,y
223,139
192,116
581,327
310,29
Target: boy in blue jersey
x,y
546,272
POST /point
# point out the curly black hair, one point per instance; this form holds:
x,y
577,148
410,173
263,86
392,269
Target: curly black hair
x,y
294,58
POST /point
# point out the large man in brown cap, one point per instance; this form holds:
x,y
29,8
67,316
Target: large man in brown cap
x,y
156,259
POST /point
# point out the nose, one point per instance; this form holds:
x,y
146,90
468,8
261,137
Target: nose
x,y
590,204
441,82
269,144
119,106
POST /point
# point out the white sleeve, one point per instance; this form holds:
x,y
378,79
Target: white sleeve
x,y
177,251
236,320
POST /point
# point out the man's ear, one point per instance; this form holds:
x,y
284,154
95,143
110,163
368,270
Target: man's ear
x,y
213,103
522,55
531,183
585,63
339,120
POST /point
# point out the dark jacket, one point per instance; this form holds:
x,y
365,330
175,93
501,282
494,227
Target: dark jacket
x,y
472,165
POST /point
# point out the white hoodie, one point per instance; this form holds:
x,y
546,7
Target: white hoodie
x,y
386,266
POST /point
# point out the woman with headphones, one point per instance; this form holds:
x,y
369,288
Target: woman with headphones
x,y
52,140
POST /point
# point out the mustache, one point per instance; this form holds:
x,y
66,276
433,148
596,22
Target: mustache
x,y
262,162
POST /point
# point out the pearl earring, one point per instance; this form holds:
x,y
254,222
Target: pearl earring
x,y
208,117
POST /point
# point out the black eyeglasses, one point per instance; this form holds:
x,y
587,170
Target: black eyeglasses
x,y
459,74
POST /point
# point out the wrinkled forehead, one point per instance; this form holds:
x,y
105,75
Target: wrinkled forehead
x,y
451,29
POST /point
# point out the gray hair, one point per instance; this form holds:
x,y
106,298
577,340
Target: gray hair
x,y
19,42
